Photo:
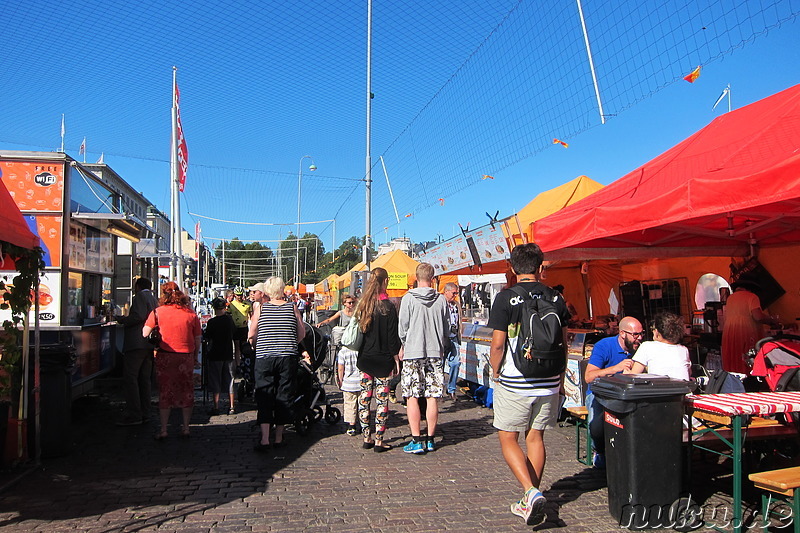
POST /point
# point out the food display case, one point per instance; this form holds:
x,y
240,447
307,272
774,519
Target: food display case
x,y
579,347
475,342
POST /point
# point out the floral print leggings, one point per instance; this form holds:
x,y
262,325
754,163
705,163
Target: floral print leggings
x,y
380,388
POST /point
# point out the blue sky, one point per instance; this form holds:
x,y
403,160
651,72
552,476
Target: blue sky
x,y
461,90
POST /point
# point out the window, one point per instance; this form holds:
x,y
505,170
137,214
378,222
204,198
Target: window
x,y
707,290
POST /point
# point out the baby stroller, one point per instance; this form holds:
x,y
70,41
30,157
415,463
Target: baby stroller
x,y
777,360
247,385
310,397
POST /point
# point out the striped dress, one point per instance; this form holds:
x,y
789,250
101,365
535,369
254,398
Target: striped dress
x,y
277,331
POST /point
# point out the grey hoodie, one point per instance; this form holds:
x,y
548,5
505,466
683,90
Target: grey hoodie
x,y
424,325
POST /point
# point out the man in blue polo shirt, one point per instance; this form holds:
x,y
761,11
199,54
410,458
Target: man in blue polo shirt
x,y
611,355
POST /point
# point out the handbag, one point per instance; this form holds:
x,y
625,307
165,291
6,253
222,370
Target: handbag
x,y
154,337
352,336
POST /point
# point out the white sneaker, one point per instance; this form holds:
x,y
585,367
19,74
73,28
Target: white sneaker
x,y
530,507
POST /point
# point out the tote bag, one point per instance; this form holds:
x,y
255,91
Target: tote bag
x,y
352,336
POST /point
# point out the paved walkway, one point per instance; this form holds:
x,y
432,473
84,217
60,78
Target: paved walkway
x,y
120,479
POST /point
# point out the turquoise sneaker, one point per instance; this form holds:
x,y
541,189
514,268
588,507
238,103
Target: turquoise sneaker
x,y
415,447
430,446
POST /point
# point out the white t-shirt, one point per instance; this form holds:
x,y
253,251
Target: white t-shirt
x,y
664,359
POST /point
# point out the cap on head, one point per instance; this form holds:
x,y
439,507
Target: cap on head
x,y
218,303
257,287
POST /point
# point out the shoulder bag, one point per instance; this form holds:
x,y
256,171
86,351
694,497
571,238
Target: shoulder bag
x,y
352,336
154,337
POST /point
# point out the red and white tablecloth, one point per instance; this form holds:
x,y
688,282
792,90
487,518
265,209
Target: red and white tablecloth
x,y
747,403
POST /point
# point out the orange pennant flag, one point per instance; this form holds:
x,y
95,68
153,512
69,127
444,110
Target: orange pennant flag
x,y
408,215
487,177
693,75
562,143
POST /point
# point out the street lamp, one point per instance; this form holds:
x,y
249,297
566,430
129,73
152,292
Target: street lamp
x,y
297,241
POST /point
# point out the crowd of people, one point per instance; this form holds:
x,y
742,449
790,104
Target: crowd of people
x,y
415,339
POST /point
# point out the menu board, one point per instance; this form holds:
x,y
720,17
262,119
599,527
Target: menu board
x,y
448,256
488,244
77,246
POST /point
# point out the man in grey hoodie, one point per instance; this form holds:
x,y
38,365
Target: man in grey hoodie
x,y
423,328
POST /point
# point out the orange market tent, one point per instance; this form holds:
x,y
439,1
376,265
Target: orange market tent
x,y
547,203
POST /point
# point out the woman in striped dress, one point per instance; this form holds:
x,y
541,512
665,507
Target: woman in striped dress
x,y
275,330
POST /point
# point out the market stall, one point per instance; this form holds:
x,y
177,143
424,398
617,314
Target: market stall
x,y
78,220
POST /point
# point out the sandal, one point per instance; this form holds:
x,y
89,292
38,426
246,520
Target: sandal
x,y
160,436
184,434
380,448
368,444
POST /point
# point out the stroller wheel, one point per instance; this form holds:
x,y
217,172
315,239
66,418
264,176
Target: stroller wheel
x,y
333,415
317,414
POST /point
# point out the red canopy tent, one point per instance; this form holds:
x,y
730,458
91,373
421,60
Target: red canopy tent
x,y
733,184
13,228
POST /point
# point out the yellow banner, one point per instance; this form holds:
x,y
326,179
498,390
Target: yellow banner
x,y
398,280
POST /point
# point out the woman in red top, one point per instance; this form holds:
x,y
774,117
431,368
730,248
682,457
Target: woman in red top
x,y
177,355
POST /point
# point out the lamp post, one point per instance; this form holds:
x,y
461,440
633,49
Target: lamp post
x,y
297,241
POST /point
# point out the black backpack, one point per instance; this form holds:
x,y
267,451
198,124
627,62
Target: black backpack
x,y
541,334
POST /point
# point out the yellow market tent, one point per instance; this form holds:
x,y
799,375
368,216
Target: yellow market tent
x,y
400,267
544,204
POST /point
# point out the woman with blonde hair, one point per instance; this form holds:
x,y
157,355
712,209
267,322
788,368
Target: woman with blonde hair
x,y
275,331
176,356
377,356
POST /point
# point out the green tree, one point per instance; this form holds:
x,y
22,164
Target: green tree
x,y
245,264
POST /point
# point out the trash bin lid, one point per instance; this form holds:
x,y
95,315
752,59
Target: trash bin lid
x,y
639,386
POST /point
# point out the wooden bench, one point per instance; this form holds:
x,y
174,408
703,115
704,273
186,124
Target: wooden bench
x,y
580,414
757,429
782,483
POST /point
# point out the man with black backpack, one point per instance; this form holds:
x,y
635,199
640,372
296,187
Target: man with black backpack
x,y
528,359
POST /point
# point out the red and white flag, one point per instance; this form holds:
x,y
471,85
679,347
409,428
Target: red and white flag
x,y
83,147
197,236
183,151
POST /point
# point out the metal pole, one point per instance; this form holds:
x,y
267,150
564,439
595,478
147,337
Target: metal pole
x,y
591,64
368,177
299,188
173,172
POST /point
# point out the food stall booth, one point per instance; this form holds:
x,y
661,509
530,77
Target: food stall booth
x,y
478,262
78,220
730,191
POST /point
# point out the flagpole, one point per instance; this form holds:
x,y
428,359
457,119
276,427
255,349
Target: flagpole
x,y
63,130
367,255
176,264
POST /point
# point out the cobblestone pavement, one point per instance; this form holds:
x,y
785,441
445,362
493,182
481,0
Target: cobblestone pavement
x,y
120,479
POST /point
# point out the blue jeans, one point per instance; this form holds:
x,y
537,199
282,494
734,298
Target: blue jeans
x,y
595,420
453,359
